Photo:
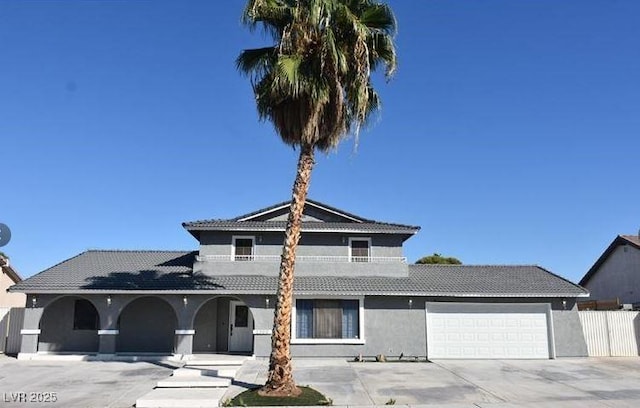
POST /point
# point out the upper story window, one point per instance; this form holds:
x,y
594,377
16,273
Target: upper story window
x,y
359,249
243,248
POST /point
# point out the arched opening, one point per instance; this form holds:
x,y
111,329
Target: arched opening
x,y
223,325
69,325
146,325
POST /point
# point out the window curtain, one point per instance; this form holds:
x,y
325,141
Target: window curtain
x,y
327,319
350,315
304,318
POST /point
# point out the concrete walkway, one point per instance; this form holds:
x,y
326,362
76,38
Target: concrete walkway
x,y
200,383
579,382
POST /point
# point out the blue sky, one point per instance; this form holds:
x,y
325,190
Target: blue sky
x,y
509,133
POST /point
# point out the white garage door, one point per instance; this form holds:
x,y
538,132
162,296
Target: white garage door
x,y
479,330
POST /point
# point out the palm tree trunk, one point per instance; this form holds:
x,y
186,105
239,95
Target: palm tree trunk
x,y
280,380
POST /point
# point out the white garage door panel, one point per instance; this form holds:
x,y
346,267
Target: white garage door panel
x,y
469,335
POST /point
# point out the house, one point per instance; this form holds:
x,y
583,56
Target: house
x,y
616,273
9,277
354,294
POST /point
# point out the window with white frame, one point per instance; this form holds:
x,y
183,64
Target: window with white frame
x,y
243,248
359,249
328,321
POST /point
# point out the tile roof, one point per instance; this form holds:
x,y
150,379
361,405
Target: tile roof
x,y
159,271
633,240
308,226
493,280
245,223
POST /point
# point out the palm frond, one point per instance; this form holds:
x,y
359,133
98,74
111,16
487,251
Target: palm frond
x,y
379,17
314,84
256,62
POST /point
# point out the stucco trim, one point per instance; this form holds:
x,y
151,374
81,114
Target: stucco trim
x,y
261,331
108,332
30,331
186,332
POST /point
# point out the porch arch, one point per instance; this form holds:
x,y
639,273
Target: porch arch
x,y
69,324
146,325
223,324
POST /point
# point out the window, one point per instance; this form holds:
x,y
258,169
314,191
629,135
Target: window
x,y
242,316
85,316
328,321
359,249
243,248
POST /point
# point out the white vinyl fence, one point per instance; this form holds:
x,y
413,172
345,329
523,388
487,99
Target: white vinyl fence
x,y
611,333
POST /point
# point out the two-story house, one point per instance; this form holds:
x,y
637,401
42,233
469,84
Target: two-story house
x,y
615,275
354,294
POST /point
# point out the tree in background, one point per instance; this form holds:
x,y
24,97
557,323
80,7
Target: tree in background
x,y
314,86
438,259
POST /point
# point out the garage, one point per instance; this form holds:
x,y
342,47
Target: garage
x,y
489,331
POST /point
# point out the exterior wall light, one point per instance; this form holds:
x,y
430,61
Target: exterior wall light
x,y
34,301
410,303
185,300
564,304
109,300
266,301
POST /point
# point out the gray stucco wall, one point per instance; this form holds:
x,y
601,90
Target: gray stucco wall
x,y
311,244
205,338
147,325
392,327
618,276
57,332
568,334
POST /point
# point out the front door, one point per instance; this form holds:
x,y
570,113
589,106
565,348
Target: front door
x,y
240,328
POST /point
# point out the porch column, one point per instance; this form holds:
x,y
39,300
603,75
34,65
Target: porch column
x,y
108,308
30,332
107,341
184,342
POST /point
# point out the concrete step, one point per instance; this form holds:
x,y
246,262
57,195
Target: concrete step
x,y
194,382
181,397
210,371
227,361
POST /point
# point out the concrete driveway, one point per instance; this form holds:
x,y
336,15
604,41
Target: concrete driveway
x,y
81,384
568,383
579,382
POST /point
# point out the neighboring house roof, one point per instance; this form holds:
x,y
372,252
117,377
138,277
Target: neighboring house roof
x,y
170,271
259,221
7,269
632,240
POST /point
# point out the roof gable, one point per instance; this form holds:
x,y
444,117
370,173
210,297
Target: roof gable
x,y
631,240
313,211
317,217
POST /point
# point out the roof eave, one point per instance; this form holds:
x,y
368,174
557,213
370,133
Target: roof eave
x,y
195,229
12,274
300,293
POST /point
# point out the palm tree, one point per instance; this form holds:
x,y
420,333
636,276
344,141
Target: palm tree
x,y
314,86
